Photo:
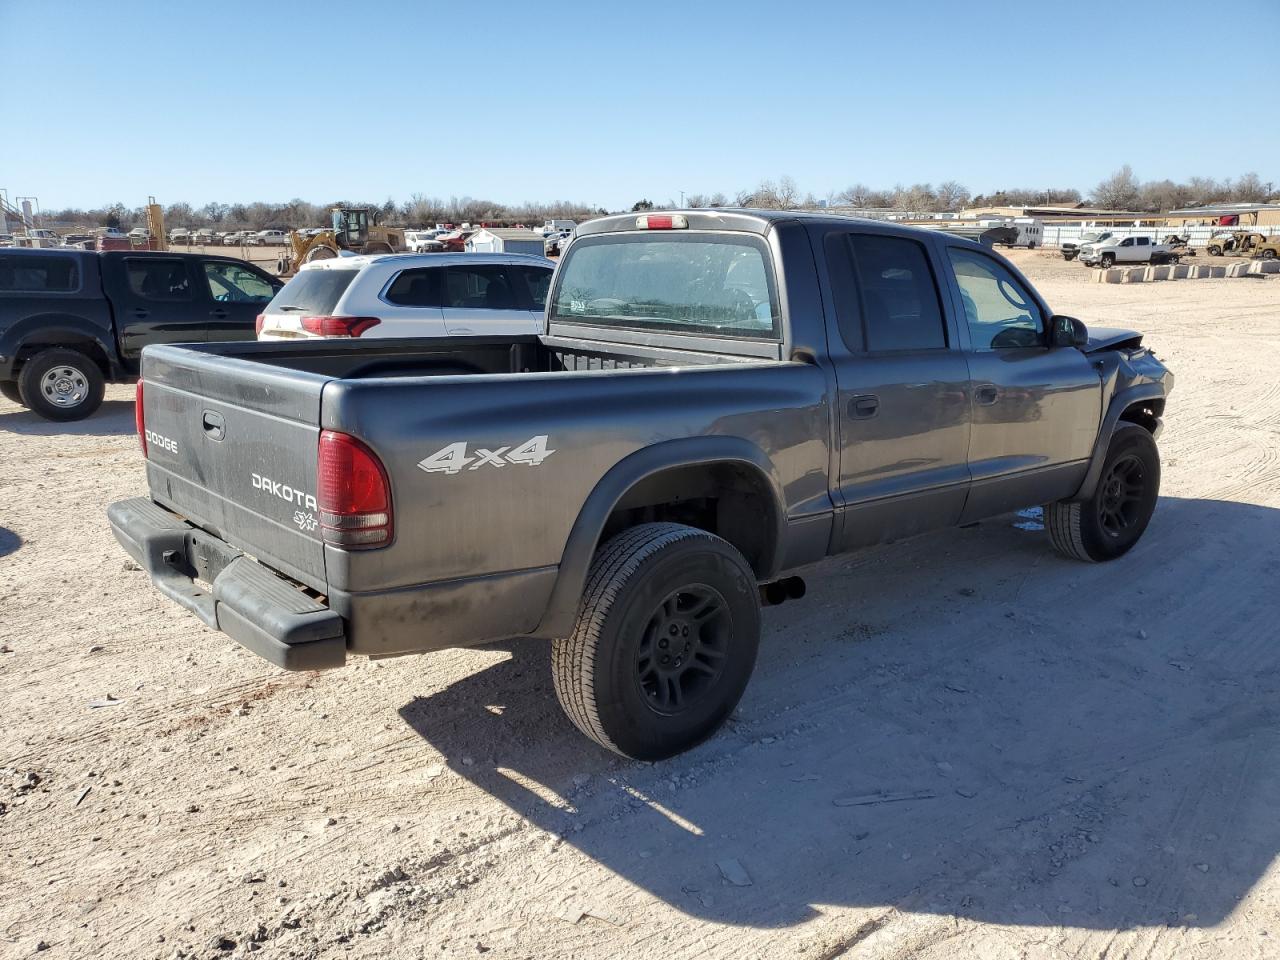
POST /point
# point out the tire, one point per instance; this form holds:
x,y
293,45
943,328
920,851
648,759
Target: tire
x,y
376,246
648,590
1107,261
1068,256
1031,246
1268,254
61,384
1214,251
9,390
1108,524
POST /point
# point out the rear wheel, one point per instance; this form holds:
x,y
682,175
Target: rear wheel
x,y
665,642
1268,254
376,246
61,384
1110,522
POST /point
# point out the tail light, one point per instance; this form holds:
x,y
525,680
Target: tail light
x,y
258,322
339,326
353,493
140,417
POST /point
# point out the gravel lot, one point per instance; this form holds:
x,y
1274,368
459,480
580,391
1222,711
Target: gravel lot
x,y
1090,754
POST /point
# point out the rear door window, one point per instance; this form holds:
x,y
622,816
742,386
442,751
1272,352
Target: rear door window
x,y
39,274
313,292
887,283
415,288
158,279
481,286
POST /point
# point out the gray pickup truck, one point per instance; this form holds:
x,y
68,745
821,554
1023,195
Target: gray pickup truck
x,y
719,398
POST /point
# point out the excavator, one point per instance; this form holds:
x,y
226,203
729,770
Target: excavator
x,y
353,230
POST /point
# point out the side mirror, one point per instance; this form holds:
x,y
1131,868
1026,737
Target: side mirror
x,y
1068,332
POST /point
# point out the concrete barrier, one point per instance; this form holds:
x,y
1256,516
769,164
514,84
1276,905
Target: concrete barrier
x,y
1114,275
1217,273
1264,266
1098,276
1135,275
1155,273
1237,269
1180,271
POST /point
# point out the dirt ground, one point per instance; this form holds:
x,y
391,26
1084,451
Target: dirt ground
x,y
1089,755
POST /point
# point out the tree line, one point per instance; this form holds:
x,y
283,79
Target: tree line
x,y
1120,191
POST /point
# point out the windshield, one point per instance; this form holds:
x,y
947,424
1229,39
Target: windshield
x,y
312,291
709,284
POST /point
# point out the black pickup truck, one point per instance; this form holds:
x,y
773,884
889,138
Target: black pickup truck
x,y
719,399
72,321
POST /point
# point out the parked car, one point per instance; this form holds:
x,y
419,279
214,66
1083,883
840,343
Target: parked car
x,y
203,237
1071,250
268,238
72,321
235,238
80,241
180,235
718,398
139,233
6,239
422,241
454,241
411,295
1113,250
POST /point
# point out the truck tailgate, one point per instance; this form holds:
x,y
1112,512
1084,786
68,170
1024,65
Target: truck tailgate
x,y
231,446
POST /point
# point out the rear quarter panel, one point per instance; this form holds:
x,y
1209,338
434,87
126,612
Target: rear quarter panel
x,y
488,519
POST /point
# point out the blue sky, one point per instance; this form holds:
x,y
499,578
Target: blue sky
x,y
609,102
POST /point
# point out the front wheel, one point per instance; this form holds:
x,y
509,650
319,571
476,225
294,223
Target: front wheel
x,y
1110,522
665,642
1214,251
1107,261
61,384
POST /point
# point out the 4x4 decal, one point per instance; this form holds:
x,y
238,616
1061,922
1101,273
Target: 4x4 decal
x,y
454,459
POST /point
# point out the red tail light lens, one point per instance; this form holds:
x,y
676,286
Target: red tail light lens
x,y
353,493
339,326
662,221
257,324
140,417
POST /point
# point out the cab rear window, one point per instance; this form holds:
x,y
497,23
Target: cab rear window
x,y
312,291
714,284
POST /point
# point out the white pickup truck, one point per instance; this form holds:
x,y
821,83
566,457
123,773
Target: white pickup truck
x,y
1105,253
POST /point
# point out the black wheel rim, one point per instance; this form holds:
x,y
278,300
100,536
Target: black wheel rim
x,y
1122,495
683,649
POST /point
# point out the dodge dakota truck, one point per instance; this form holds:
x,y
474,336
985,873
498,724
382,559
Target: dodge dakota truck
x,y
718,399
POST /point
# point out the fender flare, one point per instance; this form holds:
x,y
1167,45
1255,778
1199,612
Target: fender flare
x,y
53,324
1121,402
580,548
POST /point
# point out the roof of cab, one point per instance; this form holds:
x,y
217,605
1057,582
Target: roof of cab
x,y
727,218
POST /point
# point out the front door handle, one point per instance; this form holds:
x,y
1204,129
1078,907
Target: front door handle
x,y
218,313
863,408
986,394
140,313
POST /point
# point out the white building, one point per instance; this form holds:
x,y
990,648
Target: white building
x,y
503,240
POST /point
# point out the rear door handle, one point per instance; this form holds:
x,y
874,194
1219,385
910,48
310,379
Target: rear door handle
x,y
986,394
140,313
218,313
863,408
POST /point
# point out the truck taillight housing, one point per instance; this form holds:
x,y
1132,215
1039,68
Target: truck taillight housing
x,y
339,326
662,221
353,493
258,321
140,417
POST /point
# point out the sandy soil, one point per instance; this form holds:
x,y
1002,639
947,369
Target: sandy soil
x,y
1092,751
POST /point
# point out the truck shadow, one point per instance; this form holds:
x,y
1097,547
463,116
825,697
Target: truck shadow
x,y
114,418
1038,742
10,542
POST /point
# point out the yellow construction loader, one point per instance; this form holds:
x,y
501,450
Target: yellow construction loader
x,y
354,230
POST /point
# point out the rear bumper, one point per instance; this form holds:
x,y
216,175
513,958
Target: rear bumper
x,y
243,599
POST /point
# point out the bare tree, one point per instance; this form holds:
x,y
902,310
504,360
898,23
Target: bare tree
x,y
1250,189
1120,191
856,195
952,196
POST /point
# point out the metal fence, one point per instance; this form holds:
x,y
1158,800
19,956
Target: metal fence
x,y
1056,235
